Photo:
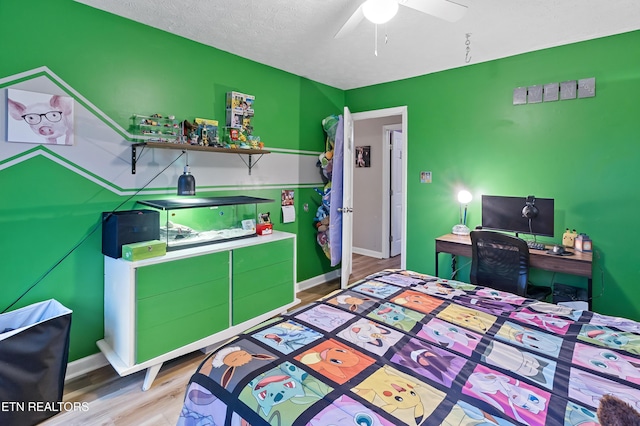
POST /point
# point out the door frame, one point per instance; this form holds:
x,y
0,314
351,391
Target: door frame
x,y
387,112
386,185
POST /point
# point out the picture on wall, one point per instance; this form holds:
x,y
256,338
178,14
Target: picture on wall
x,y
363,156
287,197
425,177
39,118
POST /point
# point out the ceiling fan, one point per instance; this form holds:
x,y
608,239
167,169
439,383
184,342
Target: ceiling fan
x,y
381,11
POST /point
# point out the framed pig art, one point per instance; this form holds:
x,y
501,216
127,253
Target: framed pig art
x,y
39,118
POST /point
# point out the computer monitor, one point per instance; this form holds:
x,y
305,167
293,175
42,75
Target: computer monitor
x,y
509,214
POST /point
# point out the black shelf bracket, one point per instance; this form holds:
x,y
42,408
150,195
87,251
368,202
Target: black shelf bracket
x,y
250,164
134,156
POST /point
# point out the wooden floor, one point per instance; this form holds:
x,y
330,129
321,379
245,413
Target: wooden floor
x,y
115,400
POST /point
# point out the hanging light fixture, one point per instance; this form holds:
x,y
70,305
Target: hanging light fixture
x,y
380,11
186,181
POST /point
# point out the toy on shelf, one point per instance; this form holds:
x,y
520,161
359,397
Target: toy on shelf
x,y
156,128
240,111
207,131
254,142
264,227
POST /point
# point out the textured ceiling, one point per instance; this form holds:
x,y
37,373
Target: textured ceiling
x,y
298,35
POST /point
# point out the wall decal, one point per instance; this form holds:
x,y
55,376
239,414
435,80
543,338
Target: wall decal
x,y
568,89
39,118
587,87
520,96
550,92
535,94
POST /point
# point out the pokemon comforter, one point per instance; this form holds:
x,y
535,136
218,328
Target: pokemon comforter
x,y
404,348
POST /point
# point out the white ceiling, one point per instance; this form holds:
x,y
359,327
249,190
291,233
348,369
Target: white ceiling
x,y
298,35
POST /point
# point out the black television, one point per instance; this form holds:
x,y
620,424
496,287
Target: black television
x,y
522,215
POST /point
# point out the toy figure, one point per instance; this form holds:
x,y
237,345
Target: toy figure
x,y
193,138
205,137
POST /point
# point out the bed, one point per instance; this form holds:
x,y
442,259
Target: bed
x,y
400,347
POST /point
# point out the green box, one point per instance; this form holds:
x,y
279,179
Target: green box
x,y
144,250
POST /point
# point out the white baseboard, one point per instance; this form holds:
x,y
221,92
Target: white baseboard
x,y
89,363
317,280
366,252
85,365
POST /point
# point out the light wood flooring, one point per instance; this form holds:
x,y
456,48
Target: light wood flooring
x,y
115,400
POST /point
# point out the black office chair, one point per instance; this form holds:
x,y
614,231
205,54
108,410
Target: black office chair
x,y
501,261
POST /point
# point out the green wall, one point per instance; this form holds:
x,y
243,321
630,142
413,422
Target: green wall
x,y
584,153
462,127
123,67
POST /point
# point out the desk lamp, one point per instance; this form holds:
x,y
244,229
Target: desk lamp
x,y
186,181
464,197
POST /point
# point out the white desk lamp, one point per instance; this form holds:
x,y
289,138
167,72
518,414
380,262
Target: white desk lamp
x,y
464,197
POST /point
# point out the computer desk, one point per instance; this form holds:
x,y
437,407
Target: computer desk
x,y
579,263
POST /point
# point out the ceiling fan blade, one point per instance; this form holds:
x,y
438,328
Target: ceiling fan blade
x,y
351,23
442,9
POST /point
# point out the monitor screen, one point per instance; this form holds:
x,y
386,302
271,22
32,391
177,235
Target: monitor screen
x,y
506,214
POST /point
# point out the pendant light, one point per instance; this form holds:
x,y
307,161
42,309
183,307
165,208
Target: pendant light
x,y
186,181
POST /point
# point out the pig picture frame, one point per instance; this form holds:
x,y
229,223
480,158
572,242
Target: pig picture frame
x,y
39,118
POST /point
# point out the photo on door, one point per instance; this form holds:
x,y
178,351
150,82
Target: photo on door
x,y
363,156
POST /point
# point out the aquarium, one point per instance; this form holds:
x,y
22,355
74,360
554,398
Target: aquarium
x,y
189,222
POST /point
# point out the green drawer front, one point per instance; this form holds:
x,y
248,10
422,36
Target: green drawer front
x,y
247,283
173,275
168,307
258,256
165,338
260,302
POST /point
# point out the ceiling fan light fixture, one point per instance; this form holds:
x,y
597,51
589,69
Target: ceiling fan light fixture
x,y
380,11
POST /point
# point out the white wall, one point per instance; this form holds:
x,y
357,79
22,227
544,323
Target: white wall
x,y
367,187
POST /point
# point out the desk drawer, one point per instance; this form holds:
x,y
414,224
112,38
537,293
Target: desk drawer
x,y
171,276
164,338
261,255
261,301
167,307
247,283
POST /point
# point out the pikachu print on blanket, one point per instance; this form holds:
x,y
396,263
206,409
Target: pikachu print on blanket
x,y
402,396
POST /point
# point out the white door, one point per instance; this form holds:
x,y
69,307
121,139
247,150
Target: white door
x,y
397,197
348,160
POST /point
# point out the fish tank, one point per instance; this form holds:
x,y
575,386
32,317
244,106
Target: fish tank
x,y
191,222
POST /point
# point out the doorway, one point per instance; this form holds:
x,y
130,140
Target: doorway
x,y
376,212
393,186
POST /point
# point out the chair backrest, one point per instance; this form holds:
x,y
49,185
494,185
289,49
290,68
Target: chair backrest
x,y
499,261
